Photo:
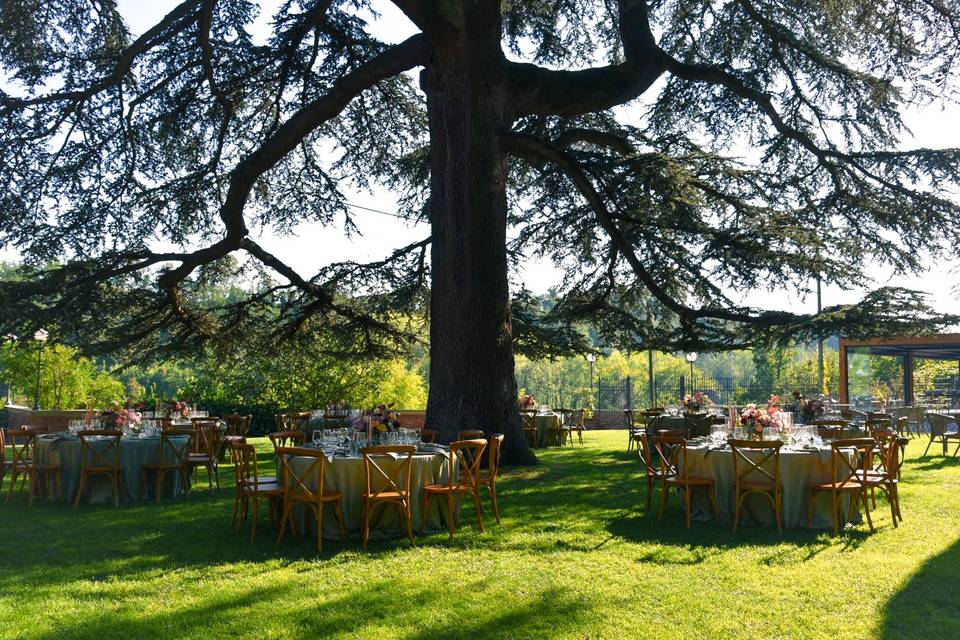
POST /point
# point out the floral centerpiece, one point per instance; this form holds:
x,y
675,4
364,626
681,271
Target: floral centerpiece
x,y
755,419
528,402
809,408
121,417
176,408
697,402
380,418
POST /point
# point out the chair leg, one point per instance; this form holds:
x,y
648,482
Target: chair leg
x,y
366,522
893,508
80,489
450,513
712,493
319,528
866,507
928,447
493,500
408,515
649,493
664,490
423,511
736,512
810,497
476,501
339,511
256,513
687,495
778,504
287,505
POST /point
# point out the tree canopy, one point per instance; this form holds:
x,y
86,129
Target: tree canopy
x,y
761,148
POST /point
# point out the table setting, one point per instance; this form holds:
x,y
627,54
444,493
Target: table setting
x,y
139,446
804,459
344,474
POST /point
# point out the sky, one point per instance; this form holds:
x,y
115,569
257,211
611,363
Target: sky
x,y
934,127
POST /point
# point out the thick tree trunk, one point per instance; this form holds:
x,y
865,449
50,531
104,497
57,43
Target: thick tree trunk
x,y
472,384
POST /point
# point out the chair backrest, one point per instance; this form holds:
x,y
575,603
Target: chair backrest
x,y
842,470
647,457
229,442
296,485
671,455
429,435
3,449
493,455
939,422
21,445
245,467
466,456
674,433
100,449
470,434
878,423
631,417
829,432
529,421
237,425
169,453
887,454
208,437
577,417
766,469
831,423
287,438
379,481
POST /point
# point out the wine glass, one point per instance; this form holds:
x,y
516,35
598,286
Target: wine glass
x,y
317,437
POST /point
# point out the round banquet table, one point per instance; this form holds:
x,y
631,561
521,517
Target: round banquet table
x,y
545,422
345,475
798,469
64,449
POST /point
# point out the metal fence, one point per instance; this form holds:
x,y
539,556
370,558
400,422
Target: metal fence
x,y
617,394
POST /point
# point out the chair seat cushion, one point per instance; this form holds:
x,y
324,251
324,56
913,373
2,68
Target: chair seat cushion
x,y
385,495
263,487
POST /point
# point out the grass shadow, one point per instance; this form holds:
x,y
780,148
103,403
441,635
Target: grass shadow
x,y
930,599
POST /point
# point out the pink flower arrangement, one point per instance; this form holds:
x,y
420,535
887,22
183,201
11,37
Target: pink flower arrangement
x,y
697,401
178,408
127,416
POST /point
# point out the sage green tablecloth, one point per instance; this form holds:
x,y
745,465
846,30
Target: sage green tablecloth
x,y
345,475
546,421
699,424
134,453
798,469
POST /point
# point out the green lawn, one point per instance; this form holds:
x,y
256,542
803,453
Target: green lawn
x,y
575,557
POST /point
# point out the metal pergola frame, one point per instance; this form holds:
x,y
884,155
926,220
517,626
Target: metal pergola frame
x,y
944,346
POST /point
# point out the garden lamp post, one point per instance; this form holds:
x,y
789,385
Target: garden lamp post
x,y
591,358
40,336
691,358
11,339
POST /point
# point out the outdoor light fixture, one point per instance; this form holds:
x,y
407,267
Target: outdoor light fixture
x,y
591,358
40,335
691,358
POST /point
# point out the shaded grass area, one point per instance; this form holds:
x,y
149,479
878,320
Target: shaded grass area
x,y
575,557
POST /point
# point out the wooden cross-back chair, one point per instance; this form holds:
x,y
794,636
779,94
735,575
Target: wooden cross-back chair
x,y
939,431
100,455
529,425
429,435
251,487
674,433
651,465
21,462
488,476
846,479
757,476
387,487
576,426
207,450
883,471
173,456
292,438
3,456
237,425
671,452
306,488
829,432
873,424
463,478
470,434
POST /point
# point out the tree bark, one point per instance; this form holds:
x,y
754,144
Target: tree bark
x,y
472,383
